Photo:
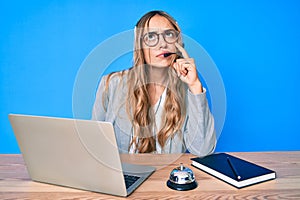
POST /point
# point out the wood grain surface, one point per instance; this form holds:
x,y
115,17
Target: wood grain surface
x,y
15,182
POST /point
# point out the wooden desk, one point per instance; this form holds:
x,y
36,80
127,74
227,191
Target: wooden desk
x,y
16,184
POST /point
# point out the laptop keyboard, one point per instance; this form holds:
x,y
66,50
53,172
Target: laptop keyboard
x,y
130,179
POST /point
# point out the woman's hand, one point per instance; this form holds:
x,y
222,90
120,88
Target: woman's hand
x,y
187,71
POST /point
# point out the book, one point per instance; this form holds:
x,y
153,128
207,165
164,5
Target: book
x,y
233,170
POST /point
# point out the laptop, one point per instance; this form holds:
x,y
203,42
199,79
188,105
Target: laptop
x,y
80,154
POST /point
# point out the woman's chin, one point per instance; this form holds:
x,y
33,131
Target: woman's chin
x,y
161,65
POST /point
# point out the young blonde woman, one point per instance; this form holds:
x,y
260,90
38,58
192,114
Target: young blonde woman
x,y
158,105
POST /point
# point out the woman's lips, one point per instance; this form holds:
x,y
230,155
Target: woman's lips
x,y
164,54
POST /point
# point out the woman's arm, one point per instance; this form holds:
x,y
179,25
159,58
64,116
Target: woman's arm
x,y
199,132
100,106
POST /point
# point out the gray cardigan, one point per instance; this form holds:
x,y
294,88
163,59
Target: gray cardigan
x,y
198,133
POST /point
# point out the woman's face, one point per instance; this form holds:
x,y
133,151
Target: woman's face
x,y
154,55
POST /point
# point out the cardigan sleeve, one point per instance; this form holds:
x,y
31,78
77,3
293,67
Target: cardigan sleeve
x,y
199,132
101,101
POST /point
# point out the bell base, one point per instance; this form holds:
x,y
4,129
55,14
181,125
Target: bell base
x,y
182,187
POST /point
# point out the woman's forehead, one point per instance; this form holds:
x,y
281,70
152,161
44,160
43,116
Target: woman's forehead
x,y
158,22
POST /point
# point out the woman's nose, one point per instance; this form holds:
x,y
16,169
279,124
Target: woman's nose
x,y
161,42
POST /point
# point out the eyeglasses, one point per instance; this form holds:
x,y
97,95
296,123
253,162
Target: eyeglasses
x,y
151,39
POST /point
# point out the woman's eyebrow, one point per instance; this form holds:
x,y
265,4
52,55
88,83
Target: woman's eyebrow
x,y
164,30
152,32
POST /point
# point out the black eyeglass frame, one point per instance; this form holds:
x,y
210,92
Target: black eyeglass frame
x,y
177,33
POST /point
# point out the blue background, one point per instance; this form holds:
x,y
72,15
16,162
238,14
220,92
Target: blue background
x,y
255,44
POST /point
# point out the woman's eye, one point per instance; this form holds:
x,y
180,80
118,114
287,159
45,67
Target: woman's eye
x,y
151,36
169,34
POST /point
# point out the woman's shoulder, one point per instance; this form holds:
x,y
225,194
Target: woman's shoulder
x,y
115,78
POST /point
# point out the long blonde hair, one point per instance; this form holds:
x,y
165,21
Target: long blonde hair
x,y
138,105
